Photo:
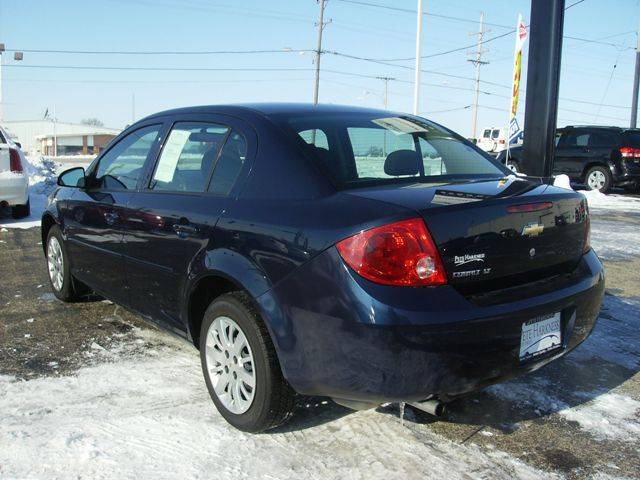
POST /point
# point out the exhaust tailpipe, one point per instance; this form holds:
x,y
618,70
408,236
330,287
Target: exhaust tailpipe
x,y
432,407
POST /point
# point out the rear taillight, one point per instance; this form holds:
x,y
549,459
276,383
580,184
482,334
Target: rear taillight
x,y
401,254
501,142
629,152
15,164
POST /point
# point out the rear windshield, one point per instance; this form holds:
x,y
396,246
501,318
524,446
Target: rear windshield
x,y
361,149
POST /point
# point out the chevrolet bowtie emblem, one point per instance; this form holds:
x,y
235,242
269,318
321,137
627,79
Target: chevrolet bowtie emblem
x,y
532,230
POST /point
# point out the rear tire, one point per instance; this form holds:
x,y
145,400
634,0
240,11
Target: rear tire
x,y
21,211
599,178
64,286
235,345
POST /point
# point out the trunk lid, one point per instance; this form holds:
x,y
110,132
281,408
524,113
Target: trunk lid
x,y
493,234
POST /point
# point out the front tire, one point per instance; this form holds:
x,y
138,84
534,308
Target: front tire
x,y
21,211
513,166
599,178
64,286
240,366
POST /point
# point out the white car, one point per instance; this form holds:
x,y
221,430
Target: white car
x,y
14,181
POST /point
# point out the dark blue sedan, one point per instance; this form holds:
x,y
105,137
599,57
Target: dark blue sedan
x,y
359,254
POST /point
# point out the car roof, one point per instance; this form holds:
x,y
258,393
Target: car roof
x,y
268,109
595,127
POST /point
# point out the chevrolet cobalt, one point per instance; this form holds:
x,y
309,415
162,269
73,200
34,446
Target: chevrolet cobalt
x,y
358,254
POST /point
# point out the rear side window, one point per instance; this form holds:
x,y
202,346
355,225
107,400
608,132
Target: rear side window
x,y
364,148
121,166
604,139
188,156
486,134
315,137
229,166
632,138
495,134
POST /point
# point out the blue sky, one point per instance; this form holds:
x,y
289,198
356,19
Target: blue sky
x,y
188,25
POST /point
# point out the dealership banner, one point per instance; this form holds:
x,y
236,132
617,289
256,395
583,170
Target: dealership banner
x,y
514,129
521,37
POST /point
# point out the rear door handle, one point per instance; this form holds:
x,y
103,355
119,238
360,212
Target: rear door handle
x,y
184,228
111,218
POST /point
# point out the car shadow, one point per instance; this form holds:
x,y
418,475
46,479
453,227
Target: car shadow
x,y
311,412
606,360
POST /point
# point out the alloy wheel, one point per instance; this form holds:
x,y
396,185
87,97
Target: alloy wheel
x,y
55,262
596,180
230,365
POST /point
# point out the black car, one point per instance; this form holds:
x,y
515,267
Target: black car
x,y
598,157
358,254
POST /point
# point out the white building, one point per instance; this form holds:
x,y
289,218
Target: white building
x,y
37,137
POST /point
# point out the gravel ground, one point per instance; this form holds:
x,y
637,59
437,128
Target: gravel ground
x,y
91,390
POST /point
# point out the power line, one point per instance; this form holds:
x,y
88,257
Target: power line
x,y
159,52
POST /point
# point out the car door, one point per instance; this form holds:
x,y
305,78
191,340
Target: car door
x,y
172,221
572,153
93,219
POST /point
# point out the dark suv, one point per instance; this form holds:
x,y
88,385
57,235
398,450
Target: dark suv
x,y
364,255
599,157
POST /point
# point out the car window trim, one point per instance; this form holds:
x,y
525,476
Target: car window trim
x,y
92,168
171,125
237,124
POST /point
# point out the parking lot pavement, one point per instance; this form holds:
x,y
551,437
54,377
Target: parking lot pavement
x,y
88,389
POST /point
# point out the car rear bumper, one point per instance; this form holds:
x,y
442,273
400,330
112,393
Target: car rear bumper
x,y
341,336
14,188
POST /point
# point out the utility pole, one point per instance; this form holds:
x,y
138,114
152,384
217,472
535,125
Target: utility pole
x,y
321,25
416,81
386,90
636,84
1,98
477,61
133,108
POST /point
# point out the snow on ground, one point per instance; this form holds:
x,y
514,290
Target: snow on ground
x,y
151,417
603,414
614,240
599,201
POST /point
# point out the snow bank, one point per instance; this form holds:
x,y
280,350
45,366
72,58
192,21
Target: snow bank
x,y
152,417
562,181
600,201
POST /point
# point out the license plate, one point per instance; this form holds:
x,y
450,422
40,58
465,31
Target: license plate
x,y
540,335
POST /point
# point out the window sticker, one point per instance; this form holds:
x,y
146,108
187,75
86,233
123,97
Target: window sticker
x,y
170,155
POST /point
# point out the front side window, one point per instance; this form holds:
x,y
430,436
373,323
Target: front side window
x,y
188,156
486,134
121,167
364,148
575,139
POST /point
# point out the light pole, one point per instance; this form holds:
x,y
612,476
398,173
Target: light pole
x,y
416,86
17,56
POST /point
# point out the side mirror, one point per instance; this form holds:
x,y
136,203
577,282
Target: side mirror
x,y
19,145
74,177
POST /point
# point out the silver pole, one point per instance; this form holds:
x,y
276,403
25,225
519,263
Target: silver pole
x,y
319,52
416,82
